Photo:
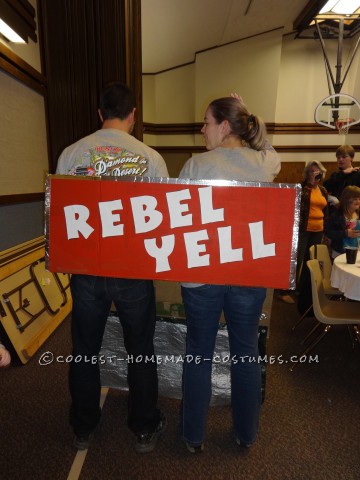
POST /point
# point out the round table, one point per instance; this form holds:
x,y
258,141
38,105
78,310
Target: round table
x,y
346,277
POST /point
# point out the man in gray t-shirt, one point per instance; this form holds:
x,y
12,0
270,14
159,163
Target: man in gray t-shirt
x,y
112,151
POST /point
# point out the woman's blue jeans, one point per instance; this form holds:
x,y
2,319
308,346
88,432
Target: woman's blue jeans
x,y
242,308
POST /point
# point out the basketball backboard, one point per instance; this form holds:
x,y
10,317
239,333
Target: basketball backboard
x,y
338,111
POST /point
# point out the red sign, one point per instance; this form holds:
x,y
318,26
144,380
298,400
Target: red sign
x,y
214,232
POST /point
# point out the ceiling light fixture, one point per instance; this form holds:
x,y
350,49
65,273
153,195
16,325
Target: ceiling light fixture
x,y
9,33
342,7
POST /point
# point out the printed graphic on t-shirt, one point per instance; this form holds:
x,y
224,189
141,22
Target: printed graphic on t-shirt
x,y
110,161
350,241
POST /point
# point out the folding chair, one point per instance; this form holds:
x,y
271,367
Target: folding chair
x,y
328,312
321,253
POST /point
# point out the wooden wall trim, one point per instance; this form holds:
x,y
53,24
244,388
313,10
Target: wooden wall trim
x,y
304,129
272,129
21,70
14,253
169,69
19,75
308,148
172,128
93,31
279,148
22,198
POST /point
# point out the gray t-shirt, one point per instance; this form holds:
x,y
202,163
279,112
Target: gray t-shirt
x,y
111,152
242,164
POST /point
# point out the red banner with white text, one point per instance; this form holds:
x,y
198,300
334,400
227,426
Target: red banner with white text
x,y
202,232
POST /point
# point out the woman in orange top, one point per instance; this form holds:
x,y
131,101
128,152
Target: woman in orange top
x,y
313,210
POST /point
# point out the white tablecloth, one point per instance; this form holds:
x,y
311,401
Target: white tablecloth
x,y
346,277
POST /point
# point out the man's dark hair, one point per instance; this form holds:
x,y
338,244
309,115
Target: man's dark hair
x,y
345,150
116,101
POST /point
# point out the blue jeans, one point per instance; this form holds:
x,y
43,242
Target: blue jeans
x,y
242,308
135,304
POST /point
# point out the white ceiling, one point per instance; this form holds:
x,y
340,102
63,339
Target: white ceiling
x,y
174,30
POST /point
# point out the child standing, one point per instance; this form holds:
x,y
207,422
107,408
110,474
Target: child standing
x,y
343,226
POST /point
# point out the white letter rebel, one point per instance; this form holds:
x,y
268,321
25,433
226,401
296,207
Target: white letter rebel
x,y
208,213
75,217
145,215
161,254
108,218
176,208
259,249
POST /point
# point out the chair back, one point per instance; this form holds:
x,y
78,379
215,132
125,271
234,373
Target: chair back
x,y
321,253
317,289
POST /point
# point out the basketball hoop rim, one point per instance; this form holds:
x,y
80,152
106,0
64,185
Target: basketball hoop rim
x,y
343,125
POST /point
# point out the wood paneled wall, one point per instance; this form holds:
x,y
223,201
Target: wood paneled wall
x,y
86,44
292,172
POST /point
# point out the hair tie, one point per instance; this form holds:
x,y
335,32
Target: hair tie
x,y
251,118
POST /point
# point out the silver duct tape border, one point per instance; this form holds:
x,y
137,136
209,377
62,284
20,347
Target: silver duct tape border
x,y
295,237
47,219
169,341
181,181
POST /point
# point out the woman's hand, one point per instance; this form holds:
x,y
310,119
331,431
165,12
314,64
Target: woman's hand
x,y
311,176
5,358
352,233
237,96
350,169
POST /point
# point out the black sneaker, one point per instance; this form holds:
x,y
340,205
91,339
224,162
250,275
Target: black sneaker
x,y
82,442
194,448
242,444
146,441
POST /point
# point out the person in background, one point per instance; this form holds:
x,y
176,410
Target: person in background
x,y
5,357
238,150
343,226
285,296
347,174
313,211
99,154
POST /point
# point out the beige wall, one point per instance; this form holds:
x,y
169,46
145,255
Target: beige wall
x,y
24,158
170,96
302,79
149,98
249,67
354,74
175,96
282,79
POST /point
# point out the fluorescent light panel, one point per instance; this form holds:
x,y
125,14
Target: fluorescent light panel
x,y
342,7
9,33
328,6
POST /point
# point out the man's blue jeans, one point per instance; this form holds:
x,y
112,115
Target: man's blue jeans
x,y
242,308
135,304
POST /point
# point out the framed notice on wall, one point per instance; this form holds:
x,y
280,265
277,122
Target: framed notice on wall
x,y
23,142
218,232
